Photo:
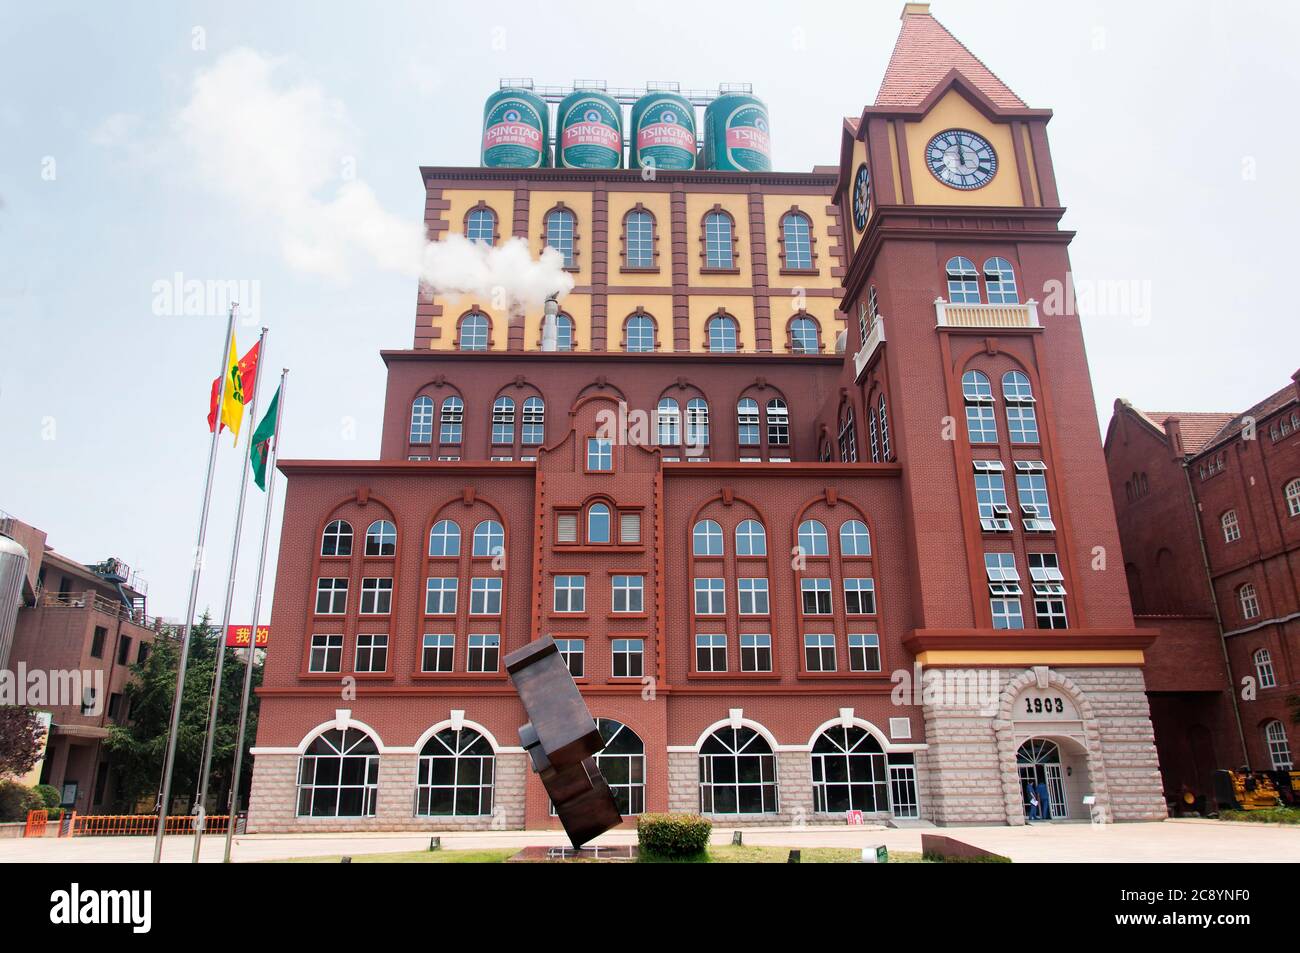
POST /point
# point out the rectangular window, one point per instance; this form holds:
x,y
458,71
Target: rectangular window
x,y
864,652
331,596
326,653
816,596
143,655
981,424
628,657
600,454
503,422
376,595
88,698
1031,491
440,595
485,596
711,653
451,422
755,652
484,650
1004,590
629,593
991,497
115,706
710,596
629,528
570,594
372,653
1022,423
747,423
1049,591
752,596
819,652
123,650
860,596
1007,614
97,642
566,528
573,651
437,654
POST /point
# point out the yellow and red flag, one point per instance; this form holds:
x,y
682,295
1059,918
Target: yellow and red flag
x,y
240,379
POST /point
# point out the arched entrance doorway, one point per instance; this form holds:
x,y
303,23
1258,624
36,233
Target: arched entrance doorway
x,y
1054,779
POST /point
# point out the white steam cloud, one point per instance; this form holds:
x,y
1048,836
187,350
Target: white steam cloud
x,y
285,150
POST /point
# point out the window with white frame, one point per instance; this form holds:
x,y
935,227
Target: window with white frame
x,y
376,595
706,539
599,524
819,652
622,764
338,775
882,412
326,653
991,498
855,540
722,335
640,333
1022,421
503,421
1000,281
751,596
804,337
874,431
860,596
1031,491
668,420
444,538
474,332
372,653
848,437
1231,527
485,595
454,775
737,773
451,421
981,423
574,654
1049,590
864,652
751,538
534,429
640,229
816,596
570,594
337,539
963,281
697,423
1292,494
563,332
629,593
484,653
1004,590
796,234
489,539
1264,669
559,235
600,454
331,595
629,528
813,540
437,652
1249,601
710,652
778,423
381,539
440,595
747,422
718,251
1279,749
422,420
481,226
755,652
627,657
849,772
710,596
566,528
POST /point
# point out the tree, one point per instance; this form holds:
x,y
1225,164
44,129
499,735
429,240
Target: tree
x,y
21,740
140,747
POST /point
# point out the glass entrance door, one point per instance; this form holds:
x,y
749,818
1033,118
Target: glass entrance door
x,y
1042,782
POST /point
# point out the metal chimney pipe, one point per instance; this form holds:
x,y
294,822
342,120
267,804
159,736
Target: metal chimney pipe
x,y
550,337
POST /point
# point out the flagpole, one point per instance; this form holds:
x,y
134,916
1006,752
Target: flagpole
x,y
205,766
233,810
169,762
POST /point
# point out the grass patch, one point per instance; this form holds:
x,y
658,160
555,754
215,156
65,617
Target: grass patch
x,y
495,856
1273,815
719,854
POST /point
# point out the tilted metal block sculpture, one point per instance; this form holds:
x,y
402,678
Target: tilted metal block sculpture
x,y
561,738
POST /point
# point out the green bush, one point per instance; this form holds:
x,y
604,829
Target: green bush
x,y
673,835
16,800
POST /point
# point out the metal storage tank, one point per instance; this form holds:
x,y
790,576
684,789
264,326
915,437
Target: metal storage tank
x,y
589,131
737,137
13,570
663,132
516,130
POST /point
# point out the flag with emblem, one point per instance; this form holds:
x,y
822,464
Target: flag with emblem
x,y
240,379
263,436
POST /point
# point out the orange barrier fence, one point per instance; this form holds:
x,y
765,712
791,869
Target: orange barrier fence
x,y
111,825
36,821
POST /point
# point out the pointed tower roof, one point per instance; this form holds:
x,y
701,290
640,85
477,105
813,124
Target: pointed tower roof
x,y
924,54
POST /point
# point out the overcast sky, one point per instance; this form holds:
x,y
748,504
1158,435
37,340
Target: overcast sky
x,y
237,141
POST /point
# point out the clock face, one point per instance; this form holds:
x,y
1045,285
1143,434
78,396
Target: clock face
x,y
962,160
861,197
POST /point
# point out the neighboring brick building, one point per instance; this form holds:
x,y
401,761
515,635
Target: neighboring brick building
x,y
1208,508
84,618
742,581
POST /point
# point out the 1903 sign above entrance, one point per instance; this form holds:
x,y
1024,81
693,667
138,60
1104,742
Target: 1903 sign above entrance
x,y
1045,705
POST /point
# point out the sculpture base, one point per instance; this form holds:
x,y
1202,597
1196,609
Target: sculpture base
x,y
571,855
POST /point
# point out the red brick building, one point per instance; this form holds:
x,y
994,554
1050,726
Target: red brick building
x,y
857,453
1208,507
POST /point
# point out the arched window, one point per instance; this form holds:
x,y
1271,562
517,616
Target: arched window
x,y
337,539
707,539
849,772
639,246
1249,601
563,332
422,420
747,422
882,413
1264,669
981,425
640,333
622,762
1000,280
451,420
796,234
963,281
668,418
855,540
489,538
778,423
1292,494
444,538
381,539
804,338
338,775
718,248
534,422
503,421
697,422
813,540
1279,750
1231,527
474,332
455,775
1022,421
722,334
848,436
737,773
598,523
751,539
560,234
481,226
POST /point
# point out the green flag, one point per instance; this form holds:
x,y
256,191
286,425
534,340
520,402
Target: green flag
x,y
261,442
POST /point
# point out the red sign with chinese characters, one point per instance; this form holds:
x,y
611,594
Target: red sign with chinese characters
x,y
237,636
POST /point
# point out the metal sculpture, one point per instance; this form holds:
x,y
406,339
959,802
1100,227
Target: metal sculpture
x,y
562,740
